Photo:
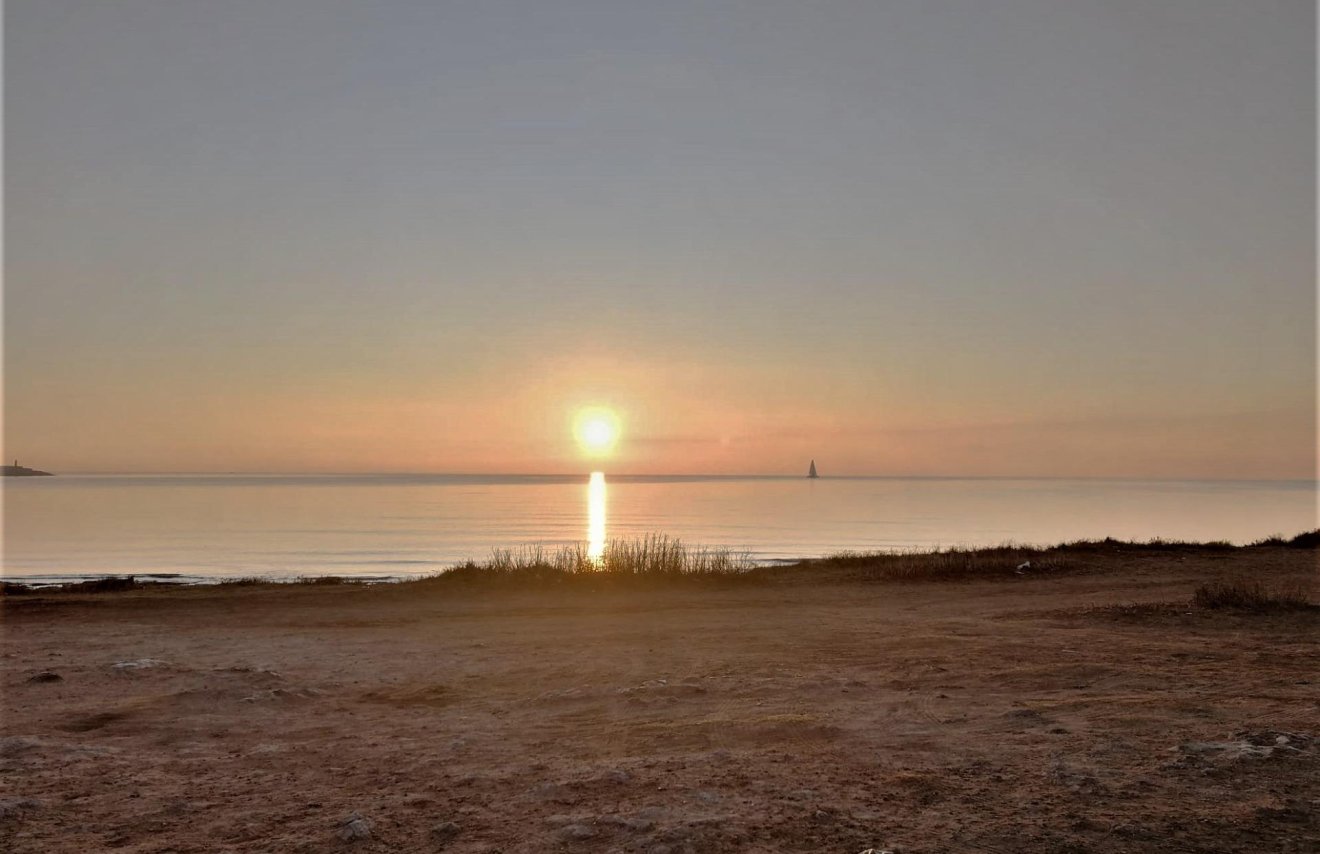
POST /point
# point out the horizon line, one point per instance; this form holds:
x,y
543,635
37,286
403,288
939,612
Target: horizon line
x,y
711,475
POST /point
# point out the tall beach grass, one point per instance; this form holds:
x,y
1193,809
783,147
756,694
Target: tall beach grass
x,y
655,556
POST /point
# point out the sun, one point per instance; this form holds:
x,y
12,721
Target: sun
x,y
596,430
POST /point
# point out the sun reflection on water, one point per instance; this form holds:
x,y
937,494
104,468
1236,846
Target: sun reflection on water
x,y
596,516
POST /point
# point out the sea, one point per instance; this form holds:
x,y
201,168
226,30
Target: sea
x,y
206,528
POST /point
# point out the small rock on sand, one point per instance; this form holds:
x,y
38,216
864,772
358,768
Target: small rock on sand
x,y
445,831
638,824
46,676
556,793
355,826
138,664
1230,749
11,807
273,695
1275,738
13,745
576,831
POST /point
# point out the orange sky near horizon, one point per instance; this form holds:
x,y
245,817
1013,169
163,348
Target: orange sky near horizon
x,y
675,419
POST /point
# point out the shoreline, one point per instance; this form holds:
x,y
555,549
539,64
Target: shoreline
x,y
532,561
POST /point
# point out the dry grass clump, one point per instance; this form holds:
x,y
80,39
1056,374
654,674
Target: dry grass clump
x,y
656,556
532,557
1250,595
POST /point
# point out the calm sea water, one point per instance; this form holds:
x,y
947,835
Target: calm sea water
x,y
218,526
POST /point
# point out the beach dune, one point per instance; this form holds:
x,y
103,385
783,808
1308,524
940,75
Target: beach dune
x,y
1086,705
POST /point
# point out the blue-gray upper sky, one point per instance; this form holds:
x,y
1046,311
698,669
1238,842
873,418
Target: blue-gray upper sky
x,y
1012,237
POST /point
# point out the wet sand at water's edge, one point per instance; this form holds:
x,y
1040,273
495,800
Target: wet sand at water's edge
x,y
1025,713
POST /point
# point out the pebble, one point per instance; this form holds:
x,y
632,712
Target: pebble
x,y
46,676
576,831
13,745
1227,748
354,827
139,664
10,807
556,793
445,831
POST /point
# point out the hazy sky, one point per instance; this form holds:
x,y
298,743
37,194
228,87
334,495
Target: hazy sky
x,y
927,237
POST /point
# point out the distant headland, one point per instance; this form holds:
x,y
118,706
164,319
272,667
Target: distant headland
x,y
23,471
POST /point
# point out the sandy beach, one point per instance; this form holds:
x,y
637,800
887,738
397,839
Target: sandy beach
x,y
1083,705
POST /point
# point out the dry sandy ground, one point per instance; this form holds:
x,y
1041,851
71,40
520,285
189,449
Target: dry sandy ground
x,y
1012,715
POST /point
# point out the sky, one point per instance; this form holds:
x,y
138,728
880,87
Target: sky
x,y
918,237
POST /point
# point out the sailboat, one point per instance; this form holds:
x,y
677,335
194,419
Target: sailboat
x,y
811,472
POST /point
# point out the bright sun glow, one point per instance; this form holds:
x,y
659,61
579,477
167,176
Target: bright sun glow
x,y
596,430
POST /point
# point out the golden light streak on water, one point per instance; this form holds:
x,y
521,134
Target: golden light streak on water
x,y
596,516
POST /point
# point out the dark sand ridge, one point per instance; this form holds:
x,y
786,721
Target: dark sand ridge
x,y
1083,705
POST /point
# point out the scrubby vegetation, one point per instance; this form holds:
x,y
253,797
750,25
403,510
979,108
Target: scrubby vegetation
x,y
1158,544
1250,595
109,584
948,564
1307,540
